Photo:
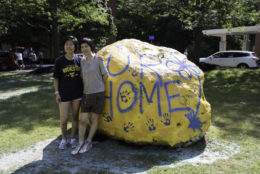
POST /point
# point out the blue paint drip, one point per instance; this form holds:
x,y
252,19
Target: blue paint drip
x,y
195,123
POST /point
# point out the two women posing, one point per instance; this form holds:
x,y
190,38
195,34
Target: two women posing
x,y
79,81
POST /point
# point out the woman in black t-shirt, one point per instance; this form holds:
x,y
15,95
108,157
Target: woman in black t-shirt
x,y
68,89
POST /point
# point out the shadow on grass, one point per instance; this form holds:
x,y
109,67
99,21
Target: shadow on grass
x,y
110,156
234,97
24,80
29,110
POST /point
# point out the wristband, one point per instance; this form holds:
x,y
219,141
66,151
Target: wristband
x,y
56,92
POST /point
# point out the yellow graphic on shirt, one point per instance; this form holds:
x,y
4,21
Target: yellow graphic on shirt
x,y
71,71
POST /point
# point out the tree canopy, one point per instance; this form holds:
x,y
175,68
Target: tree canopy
x,y
174,23
49,20
179,24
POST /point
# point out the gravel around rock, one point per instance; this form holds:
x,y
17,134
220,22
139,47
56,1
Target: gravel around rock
x,y
112,156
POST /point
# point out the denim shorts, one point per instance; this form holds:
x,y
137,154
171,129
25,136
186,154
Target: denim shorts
x,y
93,102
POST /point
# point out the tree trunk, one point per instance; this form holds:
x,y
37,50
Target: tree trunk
x,y
55,40
197,44
112,5
55,35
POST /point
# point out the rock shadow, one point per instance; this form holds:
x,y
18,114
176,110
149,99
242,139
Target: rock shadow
x,y
110,156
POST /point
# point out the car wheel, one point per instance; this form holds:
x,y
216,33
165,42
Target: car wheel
x,y
242,66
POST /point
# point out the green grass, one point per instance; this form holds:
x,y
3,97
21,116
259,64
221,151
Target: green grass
x,y
17,81
27,118
234,95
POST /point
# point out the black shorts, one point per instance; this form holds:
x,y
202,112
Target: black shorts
x,y
93,102
20,62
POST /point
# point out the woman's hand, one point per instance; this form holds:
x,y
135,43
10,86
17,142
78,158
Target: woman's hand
x,y
100,57
58,99
105,76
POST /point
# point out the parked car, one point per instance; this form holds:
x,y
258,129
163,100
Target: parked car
x,y
8,60
239,59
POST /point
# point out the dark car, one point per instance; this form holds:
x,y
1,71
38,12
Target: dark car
x,y
8,61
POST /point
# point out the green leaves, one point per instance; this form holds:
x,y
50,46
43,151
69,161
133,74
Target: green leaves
x,y
47,20
71,19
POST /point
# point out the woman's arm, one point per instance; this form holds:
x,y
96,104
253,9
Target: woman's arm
x,y
56,87
105,76
100,57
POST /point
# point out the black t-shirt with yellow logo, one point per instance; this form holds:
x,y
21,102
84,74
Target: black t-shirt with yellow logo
x,y
68,74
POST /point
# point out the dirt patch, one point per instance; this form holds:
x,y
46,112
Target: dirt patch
x,y
112,156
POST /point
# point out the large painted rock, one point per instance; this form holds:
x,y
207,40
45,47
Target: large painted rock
x,y
153,95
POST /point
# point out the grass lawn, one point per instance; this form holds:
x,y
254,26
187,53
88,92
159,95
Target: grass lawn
x,y
30,117
234,95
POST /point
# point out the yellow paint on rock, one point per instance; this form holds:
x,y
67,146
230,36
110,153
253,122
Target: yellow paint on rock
x,y
153,95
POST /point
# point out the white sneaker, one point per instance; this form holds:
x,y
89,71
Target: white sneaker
x,y
86,147
73,143
63,144
76,150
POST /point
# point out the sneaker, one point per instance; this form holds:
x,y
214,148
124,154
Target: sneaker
x,y
77,149
63,144
86,147
73,143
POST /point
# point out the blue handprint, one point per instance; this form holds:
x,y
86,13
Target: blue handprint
x,y
134,73
125,96
128,127
150,125
166,119
107,117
